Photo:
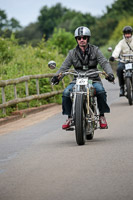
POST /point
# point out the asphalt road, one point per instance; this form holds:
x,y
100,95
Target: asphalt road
x,y
43,162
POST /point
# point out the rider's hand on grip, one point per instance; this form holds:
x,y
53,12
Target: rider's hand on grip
x,y
111,59
55,80
110,77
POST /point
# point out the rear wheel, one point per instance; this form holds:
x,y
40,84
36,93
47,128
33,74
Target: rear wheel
x,y
129,90
80,120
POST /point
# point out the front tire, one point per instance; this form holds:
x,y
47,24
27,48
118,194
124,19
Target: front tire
x,y
80,120
129,91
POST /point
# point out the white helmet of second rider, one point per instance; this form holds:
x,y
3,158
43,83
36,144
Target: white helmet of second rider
x,y
127,30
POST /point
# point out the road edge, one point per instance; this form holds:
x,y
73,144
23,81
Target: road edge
x,y
16,115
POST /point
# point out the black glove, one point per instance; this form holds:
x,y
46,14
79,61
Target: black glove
x,y
111,59
110,78
55,80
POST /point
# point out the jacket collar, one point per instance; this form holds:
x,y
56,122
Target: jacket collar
x,y
83,56
86,50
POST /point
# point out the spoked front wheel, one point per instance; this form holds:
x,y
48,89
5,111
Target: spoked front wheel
x,y
80,119
129,90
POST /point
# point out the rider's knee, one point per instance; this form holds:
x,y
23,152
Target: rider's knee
x,y
100,89
66,93
101,93
120,67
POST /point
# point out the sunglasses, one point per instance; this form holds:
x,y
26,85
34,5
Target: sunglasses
x,y
127,32
84,38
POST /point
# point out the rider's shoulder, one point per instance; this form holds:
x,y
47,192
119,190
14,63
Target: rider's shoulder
x,y
72,51
121,42
92,46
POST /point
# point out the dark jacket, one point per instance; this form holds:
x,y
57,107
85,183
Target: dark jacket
x,y
87,61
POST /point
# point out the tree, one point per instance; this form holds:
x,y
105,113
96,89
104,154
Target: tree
x,y
120,8
50,18
3,19
72,19
62,40
117,33
14,24
30,34
8,26
105,25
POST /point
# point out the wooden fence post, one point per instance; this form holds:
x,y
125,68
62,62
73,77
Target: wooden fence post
x,y
27,91
15,94
37,86
3,100
15,91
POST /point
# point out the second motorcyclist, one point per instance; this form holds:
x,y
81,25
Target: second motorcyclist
x,y
125,46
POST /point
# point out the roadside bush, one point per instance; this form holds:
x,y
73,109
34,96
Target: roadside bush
x,y
6,51
62,40
18,61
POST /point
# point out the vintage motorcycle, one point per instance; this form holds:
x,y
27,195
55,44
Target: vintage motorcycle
x,y
85,113
127,75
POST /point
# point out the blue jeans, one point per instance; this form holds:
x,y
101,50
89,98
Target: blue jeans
x,y
120,68
101,99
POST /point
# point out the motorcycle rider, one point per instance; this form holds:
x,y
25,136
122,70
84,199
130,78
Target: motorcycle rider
x,y
125,46
84,57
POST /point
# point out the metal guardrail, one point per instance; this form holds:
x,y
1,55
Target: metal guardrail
x,y
16,100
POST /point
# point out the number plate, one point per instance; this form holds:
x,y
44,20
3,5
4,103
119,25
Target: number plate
x,y
82,81
128,66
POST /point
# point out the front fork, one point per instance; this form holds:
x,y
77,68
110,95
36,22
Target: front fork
x,y
88,101
89,109
92,115
128,74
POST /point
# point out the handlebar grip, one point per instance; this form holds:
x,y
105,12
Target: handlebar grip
x,y
105,74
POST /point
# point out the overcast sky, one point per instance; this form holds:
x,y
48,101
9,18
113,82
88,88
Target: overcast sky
x,y
27,11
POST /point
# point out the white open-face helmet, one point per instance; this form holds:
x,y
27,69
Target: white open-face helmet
x,y
127,29
82,31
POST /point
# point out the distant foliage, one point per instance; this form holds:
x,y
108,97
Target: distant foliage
x,y
49,18
62,40
10,24
17,61
6,50
24,60
58,16
117,34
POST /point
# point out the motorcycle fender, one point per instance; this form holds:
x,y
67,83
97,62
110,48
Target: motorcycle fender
x,y
128,74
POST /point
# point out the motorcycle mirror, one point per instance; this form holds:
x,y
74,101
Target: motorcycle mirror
x,y
109,49
52,64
